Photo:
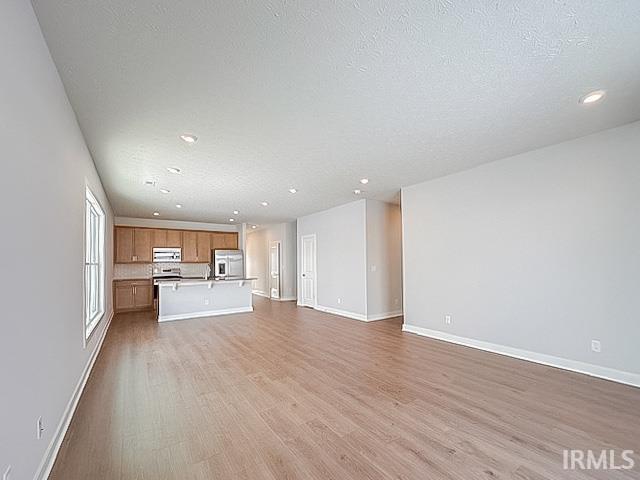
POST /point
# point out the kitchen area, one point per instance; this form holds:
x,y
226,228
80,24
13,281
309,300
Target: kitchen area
x,y
179,274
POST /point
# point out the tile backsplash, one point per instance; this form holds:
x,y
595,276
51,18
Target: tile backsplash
x,y
131,270
124,271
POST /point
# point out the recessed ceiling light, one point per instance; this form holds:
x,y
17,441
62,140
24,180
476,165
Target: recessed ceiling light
x,y
178,205
189,138
151,183
174,170
357,191
254,226
592,97
232,219
364,181
236,212
156,214
293,190
165,190
264,204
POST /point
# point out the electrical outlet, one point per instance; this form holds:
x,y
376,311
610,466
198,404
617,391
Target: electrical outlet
x,y
396,301
374,268
595,346
339,301
7,473
40,428
447,319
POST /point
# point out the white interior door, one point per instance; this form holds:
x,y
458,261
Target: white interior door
x,y
274,269
308,271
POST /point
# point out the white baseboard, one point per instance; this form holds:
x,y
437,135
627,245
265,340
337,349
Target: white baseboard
x,y
285,299
210,313
266,295
342,313
606,373
51,453
357,316
384,316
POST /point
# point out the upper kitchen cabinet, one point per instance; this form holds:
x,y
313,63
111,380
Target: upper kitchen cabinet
x,y
204,247
142,245
217,241
158,238
133,245
196,247
174,239
189,246
224,241
136,244
124,245
161,238
230,240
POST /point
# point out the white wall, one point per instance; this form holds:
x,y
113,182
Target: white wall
x,y
45,166
257,256
359,259
289,253
539,252
257,259
384,259
341,256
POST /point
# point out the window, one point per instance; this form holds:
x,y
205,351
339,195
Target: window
x,y
93,264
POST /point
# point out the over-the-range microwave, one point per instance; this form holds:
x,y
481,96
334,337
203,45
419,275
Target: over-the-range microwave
x,y
167,255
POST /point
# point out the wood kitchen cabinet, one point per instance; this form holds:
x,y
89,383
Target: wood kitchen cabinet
x,y
162,238
204,247
189,246
196,247
133,245
130,295
143,295
174,238
158,238
123,297
136,244
142,245
224,240
230,240
124,245
217,241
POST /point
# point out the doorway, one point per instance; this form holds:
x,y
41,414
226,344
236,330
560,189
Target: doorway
x,y
308,280
274,269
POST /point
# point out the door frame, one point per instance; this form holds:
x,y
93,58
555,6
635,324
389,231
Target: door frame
x,y
279,244
315,270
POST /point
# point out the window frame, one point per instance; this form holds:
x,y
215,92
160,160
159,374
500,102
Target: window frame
x,y
93,258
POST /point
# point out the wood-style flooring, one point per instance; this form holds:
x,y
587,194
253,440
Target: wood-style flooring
x,y
292,393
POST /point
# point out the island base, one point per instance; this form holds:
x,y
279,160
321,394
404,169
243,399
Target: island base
x,y
186,300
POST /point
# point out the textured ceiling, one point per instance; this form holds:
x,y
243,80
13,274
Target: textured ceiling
x,y
316,95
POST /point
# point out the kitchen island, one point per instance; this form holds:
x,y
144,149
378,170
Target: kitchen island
x,y
197,297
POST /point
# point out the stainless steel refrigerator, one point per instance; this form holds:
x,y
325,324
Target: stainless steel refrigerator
x,y
227,264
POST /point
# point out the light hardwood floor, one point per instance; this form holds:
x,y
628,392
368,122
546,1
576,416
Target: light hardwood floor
x,y
288,392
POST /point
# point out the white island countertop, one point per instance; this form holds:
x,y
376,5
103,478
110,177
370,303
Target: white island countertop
x,y
180,299
200,280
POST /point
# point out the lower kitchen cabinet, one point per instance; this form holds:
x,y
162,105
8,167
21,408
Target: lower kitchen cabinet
x,y
130,295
